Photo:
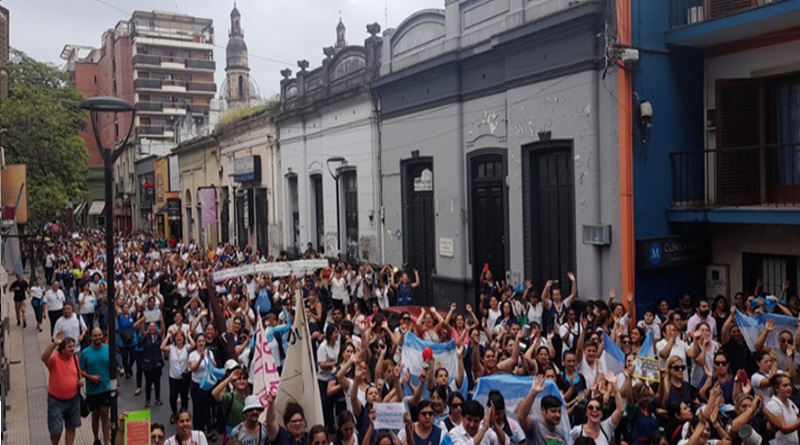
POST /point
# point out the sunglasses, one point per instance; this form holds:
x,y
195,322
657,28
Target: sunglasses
x,y
626,342
786,340
593,408
405,318
456,405
156,436
720,363
678,368
426,413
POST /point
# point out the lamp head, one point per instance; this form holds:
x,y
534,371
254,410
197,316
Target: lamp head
x,y
333,160
106,104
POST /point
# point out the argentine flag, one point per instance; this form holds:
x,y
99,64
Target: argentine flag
x,y
751,328
647,349
444,356
514,389
613,355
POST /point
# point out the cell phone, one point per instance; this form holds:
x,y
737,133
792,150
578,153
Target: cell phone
x,y
526,331
743,379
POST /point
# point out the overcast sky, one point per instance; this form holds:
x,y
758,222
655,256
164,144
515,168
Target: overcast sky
x,y
278,33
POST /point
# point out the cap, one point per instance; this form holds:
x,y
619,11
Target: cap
x,y
252,402
231,364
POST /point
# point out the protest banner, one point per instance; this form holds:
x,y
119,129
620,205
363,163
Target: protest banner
x,y
646,368
137,428
276,270
265,373
389,416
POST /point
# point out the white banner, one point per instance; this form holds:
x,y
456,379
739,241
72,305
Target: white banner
x,y
279,269
389,416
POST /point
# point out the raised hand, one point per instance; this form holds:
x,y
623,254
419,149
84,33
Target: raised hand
x,y
770,325
452,306
59,338
537,385
611,378
571,276
468,308
612,294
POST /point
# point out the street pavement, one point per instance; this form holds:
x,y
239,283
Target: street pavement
x,y
27,397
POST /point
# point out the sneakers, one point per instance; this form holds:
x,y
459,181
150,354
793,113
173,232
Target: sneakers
x,y
24,324
17,322
159,403
97,442
139,391
172,419
147,404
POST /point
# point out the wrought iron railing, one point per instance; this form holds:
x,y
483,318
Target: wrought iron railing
x,y
688,12
764,175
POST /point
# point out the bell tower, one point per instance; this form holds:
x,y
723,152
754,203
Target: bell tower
x,y
237,68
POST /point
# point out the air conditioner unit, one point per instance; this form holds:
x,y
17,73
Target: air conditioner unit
x,y
597,235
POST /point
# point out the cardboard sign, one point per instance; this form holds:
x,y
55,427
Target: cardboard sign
x,y
137,428
646,369
389,416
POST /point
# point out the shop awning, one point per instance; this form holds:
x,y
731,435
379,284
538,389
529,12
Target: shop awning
x,y
97,208
79,208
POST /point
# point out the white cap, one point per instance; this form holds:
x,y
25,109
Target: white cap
x,y
231,364
252,402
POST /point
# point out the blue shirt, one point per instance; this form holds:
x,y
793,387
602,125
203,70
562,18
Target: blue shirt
x,y
95,362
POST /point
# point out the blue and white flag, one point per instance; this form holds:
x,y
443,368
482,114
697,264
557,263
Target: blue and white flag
x,y
647,349
444,356
613,355
514,389
751,328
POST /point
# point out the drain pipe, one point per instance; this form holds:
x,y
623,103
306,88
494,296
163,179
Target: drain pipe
x,y
376,143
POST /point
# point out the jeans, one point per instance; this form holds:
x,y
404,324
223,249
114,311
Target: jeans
x,y
152,377
137,355
179,387
89,319
37,311
201,404
48,275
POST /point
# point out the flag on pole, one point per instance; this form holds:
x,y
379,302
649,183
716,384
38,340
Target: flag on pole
x,y
445,356
613,355
647,349
299,378
751,328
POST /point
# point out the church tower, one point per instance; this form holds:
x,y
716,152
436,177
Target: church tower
x,y
237,68
340,41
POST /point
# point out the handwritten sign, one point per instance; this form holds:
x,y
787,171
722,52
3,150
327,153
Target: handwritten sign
x,y
137,428
265,374
389,416
646,369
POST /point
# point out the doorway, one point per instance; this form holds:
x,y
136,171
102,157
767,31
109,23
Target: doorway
x,y
419,225
488,214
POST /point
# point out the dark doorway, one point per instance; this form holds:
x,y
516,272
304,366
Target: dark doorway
x,y
318,211
261,223
419,225
225,216
294,213
550,213
488,214
350,192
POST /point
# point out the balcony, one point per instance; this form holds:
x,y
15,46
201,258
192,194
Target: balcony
x,y
201,64
145,107
709,23
146,59
149,84
150,130
758,184
210,87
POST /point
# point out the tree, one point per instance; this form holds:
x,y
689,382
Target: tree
x,y
40,120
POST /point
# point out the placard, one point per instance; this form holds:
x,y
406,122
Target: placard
x,y
137,428
278,269
389,416
645,368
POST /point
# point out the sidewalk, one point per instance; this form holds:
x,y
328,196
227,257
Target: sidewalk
x,y
27,398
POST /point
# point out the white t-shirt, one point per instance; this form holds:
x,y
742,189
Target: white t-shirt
x,y
575,333
590,373
697,371
339,290
605,437
37,292
54,300
72,328
491,320
197,438
87,307
460,436
679,349
178,361
326,353
790,415
651,327
756,381
197,374
383,297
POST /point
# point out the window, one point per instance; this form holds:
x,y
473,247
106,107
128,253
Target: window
x,y
773,270
349,182
317,211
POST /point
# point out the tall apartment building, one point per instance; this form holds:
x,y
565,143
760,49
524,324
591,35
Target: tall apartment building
x,y
163,63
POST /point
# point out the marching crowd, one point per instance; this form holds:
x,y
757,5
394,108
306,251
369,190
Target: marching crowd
x,y
578,359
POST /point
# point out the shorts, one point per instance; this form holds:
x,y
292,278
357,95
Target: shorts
x,y
63,414
97,401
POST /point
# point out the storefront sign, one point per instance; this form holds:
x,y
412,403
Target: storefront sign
x,y
174,207
675,251
161,180
247,169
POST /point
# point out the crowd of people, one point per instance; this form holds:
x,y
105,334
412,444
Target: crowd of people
x,y
711,388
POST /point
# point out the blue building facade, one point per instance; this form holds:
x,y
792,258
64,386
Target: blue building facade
x,y
717,167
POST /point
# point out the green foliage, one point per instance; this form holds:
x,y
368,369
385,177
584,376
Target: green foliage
x,y
41,119
238,113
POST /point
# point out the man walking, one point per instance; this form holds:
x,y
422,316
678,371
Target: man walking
x,y
49,266
20,288
71,325
63,389
54,300
94,366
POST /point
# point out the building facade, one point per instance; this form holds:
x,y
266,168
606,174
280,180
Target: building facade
x,y
200,176
329,152
724,85
163,64
498,147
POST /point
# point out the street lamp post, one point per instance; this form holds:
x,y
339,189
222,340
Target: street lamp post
x,y
95,106
338,161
